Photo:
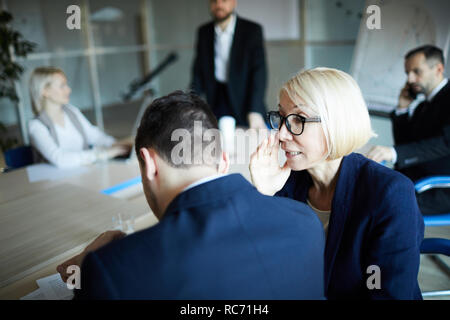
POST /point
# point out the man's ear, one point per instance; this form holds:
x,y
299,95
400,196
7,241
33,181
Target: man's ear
x,y
44,92
440,68
224,164
149,167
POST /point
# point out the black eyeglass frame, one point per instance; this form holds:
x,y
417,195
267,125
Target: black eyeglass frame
x,y
284,119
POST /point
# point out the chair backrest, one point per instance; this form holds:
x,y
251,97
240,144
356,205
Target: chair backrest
x,y
19,157
431,182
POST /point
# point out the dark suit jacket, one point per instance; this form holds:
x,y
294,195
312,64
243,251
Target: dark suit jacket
x,y
374,221
219,240
422,143
247,68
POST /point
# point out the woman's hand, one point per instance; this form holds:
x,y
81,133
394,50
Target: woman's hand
x,y
266,174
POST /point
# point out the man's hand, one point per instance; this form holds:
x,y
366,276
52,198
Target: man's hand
x,y
99,242
256,121
380,153
404,100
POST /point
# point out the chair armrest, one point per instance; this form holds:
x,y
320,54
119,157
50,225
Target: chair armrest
x,y
437,220
432,182
435,246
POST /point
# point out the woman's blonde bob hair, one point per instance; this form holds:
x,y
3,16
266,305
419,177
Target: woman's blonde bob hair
x,y
335,97
40,78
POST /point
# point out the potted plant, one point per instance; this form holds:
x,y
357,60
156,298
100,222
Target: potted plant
x,y
12,44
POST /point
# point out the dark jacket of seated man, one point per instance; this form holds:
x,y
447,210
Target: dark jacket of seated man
x,y
219,240
218,237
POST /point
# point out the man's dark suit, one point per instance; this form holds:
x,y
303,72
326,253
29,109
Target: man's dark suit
x,y
246,74
422,143
218,240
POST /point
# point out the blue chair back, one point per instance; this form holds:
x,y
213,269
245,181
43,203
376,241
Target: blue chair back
x,y
19,157
435,246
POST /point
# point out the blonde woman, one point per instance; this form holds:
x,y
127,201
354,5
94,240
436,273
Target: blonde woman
x,y
60,132
370,216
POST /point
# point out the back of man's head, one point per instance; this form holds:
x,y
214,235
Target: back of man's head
x,y
182,129
432,54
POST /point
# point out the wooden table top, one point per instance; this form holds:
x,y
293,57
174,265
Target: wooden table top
x,y
44,225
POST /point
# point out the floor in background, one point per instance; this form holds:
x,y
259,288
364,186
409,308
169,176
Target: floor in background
x,y
431,276
119,120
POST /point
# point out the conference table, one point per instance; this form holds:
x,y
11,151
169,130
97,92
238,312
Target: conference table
x,y
48,215
44,222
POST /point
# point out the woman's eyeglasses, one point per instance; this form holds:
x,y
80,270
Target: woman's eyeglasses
x,y
295,123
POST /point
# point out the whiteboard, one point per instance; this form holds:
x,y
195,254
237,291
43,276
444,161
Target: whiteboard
x,y
378,61
279,19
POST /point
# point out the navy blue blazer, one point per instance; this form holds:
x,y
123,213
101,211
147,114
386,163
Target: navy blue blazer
x,y
374,220
219,240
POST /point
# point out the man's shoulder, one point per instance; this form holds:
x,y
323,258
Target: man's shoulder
x,y
374,172
278,210
379,184
245,23
206,26
248,23
443,96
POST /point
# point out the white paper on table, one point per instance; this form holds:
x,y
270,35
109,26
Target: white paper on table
x,y
35,295
54,288
45,171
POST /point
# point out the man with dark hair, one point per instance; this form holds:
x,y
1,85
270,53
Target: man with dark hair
x,y
421,126
433,55
230,65
217,236
164,128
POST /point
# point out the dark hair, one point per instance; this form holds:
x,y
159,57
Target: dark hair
x,y
178,110
431,53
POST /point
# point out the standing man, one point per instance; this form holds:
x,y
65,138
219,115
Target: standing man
x,y
422,126
230,65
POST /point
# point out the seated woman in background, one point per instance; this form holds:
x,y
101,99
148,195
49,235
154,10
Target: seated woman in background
x,y
369,212
60,132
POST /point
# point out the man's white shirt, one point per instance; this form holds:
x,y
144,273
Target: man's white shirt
x,y
204,180
222,48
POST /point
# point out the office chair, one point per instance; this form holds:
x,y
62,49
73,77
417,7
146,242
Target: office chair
x,y
18,157
436,246
429,183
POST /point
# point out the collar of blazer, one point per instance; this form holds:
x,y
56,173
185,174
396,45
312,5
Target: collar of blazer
x,y
343,196
208,192
443,93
